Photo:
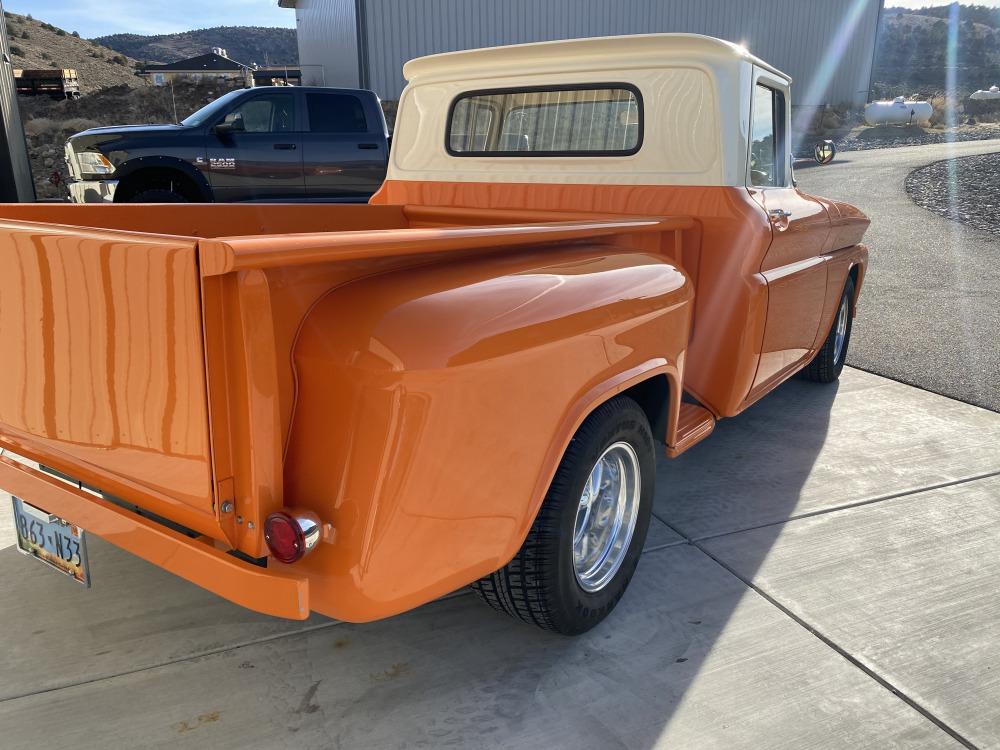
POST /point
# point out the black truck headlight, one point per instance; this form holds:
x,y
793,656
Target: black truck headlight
x,y
94,162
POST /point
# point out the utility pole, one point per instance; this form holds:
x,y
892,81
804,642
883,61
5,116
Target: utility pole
x,y
16,185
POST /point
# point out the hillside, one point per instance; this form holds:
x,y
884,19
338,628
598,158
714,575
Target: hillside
x,y
912,53
245,44
35,44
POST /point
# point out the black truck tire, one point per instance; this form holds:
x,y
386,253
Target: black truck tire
x,y
829,361
158,195
550,582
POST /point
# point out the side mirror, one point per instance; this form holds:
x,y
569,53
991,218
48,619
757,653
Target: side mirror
x,y
232,124
824,152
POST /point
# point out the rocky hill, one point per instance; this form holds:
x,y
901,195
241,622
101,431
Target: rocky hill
x,y
912,52
36,44
246,44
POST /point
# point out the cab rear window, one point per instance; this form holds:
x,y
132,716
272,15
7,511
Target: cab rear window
x,y
592,120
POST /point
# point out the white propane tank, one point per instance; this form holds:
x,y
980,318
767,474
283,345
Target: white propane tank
x,y
898,112
992,93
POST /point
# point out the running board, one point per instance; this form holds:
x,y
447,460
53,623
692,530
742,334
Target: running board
x,y
694,425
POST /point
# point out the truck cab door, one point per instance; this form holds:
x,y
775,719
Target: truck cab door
x,y
794,265
345,150
263,161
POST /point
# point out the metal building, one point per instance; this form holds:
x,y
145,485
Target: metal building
x,y
826,46
15,171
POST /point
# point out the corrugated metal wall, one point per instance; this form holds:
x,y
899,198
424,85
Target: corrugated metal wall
x,y
825,45
16,185
328,42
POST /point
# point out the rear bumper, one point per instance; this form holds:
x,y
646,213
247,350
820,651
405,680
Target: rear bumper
x,y
93,191
271,592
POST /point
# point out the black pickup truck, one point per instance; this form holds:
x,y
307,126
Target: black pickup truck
x,y
272,143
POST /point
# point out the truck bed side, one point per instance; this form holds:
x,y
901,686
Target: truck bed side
x,y
180,374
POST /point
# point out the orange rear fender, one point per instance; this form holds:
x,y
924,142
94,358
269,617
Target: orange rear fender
x,y
434,405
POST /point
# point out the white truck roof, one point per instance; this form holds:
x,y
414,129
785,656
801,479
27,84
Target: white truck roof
x,y
695,92
594,53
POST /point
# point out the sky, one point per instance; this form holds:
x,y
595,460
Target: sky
x,y
99,17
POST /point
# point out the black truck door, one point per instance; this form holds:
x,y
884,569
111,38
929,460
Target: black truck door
x,y
263,161
344,148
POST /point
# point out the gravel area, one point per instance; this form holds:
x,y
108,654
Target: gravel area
x,y
966,189
866,139
894,137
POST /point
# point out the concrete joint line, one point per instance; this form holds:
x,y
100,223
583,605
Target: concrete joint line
x,y
846,506
925,712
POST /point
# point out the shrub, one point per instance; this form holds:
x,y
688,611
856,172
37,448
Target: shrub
x,y
15,50
76,34
76,124
39,126
25,34
46,56
60,32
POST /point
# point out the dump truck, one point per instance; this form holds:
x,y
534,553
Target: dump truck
x,y
58,83
585,254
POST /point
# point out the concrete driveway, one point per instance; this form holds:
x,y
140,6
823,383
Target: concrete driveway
x,y
930,310
822,573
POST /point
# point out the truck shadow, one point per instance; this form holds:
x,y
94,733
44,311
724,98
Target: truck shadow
x,y
453,672
686,630
683,633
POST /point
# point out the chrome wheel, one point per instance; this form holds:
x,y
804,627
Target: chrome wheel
x,y
841,329
606,516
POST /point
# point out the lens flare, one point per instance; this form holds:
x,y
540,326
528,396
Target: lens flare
x,y
827,68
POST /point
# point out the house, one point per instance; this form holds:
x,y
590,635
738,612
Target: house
x,y
214,66
276,75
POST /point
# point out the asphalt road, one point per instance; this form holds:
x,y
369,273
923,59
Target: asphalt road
x,y
929,314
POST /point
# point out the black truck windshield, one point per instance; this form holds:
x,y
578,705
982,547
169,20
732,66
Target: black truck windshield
x,y
211,110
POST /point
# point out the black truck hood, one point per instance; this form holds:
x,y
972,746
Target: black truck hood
x,y
127,130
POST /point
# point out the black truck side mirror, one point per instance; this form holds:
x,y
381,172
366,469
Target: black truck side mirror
x,y
232,124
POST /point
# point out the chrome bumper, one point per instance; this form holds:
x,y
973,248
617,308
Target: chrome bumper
x,y
93,191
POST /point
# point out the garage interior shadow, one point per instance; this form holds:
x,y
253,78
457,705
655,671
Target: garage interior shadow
x,y
453,671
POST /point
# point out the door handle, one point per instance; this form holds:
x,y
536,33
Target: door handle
x,y
285,146
779,218
368,146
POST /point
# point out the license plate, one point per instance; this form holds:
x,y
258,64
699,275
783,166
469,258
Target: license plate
x,y
53,541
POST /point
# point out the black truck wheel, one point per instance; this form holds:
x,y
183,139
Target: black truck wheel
x,y
829,361
585,543
158,195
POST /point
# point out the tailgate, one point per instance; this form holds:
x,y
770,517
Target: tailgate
x,y
102,372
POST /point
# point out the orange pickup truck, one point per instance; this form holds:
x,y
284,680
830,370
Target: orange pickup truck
x,y
583,249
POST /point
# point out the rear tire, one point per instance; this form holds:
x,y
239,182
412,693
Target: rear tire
x,y
829,361
585,543
158,195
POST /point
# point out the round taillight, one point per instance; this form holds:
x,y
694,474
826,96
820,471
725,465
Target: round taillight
x,y
285,537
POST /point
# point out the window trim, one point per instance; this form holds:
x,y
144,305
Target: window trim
x,y
632,88
261,95
776,86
